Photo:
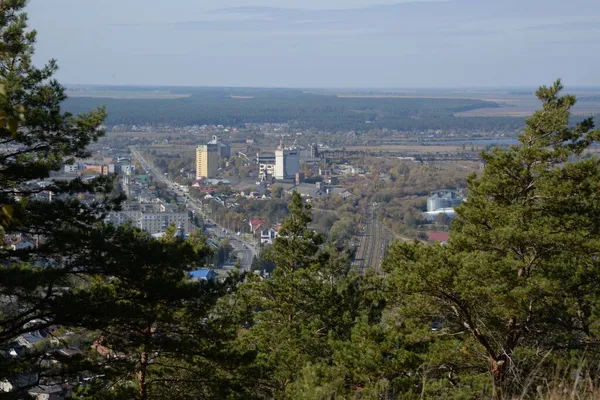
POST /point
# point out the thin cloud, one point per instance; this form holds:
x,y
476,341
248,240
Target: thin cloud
x,y
567,26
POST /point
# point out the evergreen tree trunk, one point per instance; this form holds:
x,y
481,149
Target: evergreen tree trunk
x,y
498,369
141,377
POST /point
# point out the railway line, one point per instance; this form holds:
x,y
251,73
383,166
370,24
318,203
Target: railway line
x,y
372,244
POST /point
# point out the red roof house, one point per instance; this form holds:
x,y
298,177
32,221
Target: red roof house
x,y
256,224
440,237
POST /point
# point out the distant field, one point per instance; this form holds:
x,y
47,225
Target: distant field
x,y
126,95
525,111
512,103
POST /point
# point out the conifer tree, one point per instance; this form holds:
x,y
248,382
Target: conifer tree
x,y
36,138
312,300
516,288
123,289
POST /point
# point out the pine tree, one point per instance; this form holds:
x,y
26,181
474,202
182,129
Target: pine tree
x,y
36,138
518,281
114,286
312,300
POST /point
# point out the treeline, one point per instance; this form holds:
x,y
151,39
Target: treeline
x,y
302,110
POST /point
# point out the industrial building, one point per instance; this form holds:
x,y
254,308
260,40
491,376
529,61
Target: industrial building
x,y
287,163
443,200
208,156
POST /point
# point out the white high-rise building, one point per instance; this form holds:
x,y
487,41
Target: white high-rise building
x,y
287,163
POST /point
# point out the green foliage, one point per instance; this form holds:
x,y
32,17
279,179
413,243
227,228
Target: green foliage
x,y
39,139
343,229
518,278
296,318
128,291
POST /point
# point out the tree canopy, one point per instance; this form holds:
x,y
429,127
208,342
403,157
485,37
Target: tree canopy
x,y
517,281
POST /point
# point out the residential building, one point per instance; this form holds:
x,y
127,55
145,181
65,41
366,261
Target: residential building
x,y
15,383
100,169
207,160
208,156
440,237
256,224
151,217
50,392
203,275
267,236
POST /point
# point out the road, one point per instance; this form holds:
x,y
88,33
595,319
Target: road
x,y
244,250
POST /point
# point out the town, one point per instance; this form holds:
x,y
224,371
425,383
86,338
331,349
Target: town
x,y
310,200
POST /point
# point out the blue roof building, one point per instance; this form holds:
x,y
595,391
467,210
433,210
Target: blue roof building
x,y
203,274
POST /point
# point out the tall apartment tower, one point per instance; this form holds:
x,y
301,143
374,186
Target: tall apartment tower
x,y
208,155
287,163
207,160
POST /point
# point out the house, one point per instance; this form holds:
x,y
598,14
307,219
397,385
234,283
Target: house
x,y
67,352
256,224
101,349
345,194
31,338
50,392
203,275
440,237
267,236
15,383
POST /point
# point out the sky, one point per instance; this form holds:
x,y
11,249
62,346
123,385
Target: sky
x,y
320,43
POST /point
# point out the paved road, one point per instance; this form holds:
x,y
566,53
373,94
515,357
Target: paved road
x,y
245,250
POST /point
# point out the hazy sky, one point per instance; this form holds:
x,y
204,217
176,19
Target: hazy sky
x,y
321,43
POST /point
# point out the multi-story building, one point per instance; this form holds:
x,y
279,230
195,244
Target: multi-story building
x,y
287,163
151,218
208,156
207,161
100,169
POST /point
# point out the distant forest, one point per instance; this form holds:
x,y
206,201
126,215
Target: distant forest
x,y
236,107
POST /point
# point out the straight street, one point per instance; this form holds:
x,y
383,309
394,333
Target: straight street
x,y
245,250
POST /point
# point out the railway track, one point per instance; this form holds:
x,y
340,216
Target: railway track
x,y
373,242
